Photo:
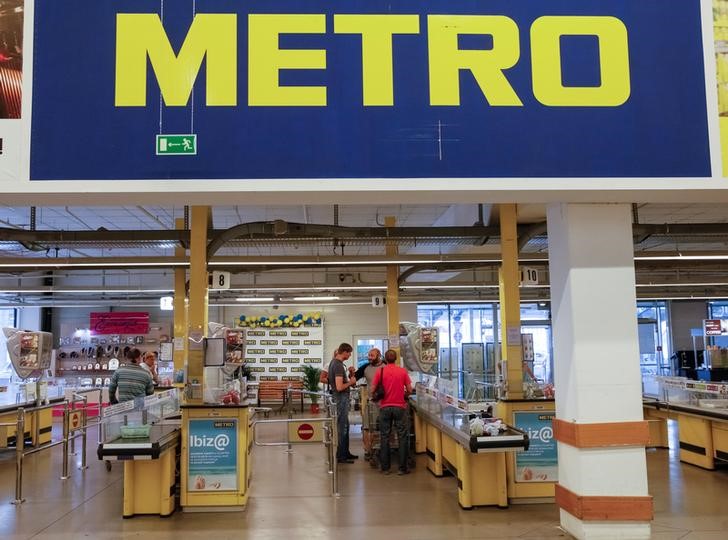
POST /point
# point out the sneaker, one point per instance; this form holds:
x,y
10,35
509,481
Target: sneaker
x,y
403,472
344,461
352,456
387,472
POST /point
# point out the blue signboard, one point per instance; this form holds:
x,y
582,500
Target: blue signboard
x,y
368,89
213,458
540,463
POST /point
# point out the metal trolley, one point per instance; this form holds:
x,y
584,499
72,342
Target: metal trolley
x,y
371,421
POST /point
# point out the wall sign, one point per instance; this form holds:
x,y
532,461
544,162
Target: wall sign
x,y
118,322
715,327
213,459
565,88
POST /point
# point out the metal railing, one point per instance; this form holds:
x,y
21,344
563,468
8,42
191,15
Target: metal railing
x,y
70,434
330,435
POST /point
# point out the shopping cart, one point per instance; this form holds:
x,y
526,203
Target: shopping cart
x,y
371,417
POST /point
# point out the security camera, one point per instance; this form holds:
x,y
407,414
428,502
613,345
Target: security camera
x,y
342,277
276,306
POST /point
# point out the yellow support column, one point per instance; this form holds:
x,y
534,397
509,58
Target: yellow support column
x,y
180,306
510,302
392,293
197,309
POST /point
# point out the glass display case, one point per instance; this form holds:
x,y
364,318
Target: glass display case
x,y
476,430
682,392
141,428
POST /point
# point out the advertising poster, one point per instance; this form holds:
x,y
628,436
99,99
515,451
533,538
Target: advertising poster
x,y
213,458
279,354
540,463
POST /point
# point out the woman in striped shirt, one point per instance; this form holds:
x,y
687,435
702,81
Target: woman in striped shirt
x,y
130,379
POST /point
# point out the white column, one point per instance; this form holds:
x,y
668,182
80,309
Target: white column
x,y
597,372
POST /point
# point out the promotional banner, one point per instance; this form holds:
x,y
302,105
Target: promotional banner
x,y
222,89
540,462
213,459
279,354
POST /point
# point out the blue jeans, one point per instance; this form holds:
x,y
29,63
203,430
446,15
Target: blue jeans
x,y
399,417
342,425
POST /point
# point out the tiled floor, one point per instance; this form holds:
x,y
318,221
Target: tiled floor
x,y
290,500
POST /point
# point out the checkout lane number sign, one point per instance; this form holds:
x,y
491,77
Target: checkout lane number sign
x,y
213,459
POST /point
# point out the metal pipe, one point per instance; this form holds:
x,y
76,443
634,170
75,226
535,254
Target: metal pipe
x,y
64,474
45,447
19,446
42,407
36,424
334,449
84,418
289,399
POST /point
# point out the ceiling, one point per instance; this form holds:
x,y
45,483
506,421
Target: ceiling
x,y
432,282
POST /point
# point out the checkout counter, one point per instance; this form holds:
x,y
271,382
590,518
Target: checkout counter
x,y
144,434
38,424
701,411
478,462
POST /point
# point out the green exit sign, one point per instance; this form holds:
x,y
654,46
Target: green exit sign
x,y
176,145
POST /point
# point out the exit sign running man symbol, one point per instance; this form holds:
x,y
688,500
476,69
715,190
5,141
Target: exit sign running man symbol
x,y
176,145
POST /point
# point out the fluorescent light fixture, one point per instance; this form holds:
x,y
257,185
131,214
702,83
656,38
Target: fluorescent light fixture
x,y
688,284
353,261
442,286
681,257
55,290
89,262
305,288
261,299
315,298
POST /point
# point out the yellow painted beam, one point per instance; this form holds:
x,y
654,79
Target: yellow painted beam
x,y
392,293
180,305
510,302
197,308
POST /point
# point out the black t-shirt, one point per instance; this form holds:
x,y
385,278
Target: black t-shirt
x,y
337,369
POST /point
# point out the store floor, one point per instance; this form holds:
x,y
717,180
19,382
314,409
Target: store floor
x,y
290,500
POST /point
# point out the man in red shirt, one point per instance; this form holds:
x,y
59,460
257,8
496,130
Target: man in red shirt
x,y
396,382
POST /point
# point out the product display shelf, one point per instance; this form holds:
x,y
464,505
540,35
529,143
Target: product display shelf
x,y
83,356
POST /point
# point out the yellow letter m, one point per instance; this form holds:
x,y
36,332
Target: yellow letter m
x,y
211,35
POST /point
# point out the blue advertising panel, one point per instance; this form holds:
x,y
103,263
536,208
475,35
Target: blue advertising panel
x,y
146,89
213,459
540,463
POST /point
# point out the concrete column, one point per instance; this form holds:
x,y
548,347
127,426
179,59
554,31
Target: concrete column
x,y
602,490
